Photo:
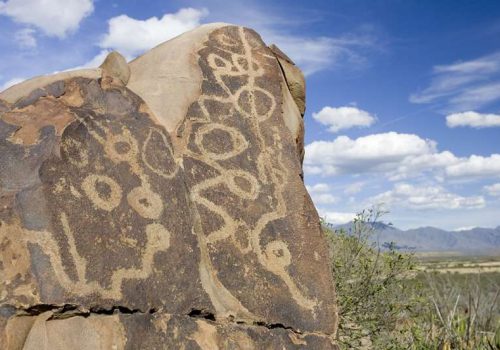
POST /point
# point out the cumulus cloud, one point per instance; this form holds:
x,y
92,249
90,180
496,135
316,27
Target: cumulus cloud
x,y
377,153
397,156
343,118
426,197
473,119
337,218
465,85
320,194
318,188
324,198
131,36
54,18
354,188
492,190
475,166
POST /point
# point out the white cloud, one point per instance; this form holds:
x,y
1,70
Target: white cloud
x,y
416,165
492,190
337,218
343,118
324,198
397,156
425,197
476,97
475,166
10,83
131,36
315,54
354,188
53,17
318,188
463,85
319,194
473,119
285,28
373,153
94,62
25,38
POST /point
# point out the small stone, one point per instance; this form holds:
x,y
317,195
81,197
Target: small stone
x,y
115,70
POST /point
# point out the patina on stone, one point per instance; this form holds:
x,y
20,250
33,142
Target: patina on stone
x,y
143,212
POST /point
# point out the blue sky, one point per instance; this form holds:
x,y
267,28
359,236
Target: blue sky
x,y
403,97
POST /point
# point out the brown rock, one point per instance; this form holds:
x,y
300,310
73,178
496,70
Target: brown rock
x,y
115,70
150,331
165,222
294,78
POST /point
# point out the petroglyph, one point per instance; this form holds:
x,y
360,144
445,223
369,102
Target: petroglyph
x,y
103,191
91,148
235,58
145,202
197,206
158,239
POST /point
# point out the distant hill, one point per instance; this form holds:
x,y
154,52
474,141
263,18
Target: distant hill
x,y
430,239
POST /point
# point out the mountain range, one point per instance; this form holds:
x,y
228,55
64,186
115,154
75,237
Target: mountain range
x,y
431,239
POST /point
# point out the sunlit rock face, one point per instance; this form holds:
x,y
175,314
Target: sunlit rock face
x,y
159,204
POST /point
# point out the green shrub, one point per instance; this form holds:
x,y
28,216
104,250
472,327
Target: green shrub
x,y
386,303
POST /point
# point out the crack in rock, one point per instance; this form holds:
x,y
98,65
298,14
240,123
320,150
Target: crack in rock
x,y
71,310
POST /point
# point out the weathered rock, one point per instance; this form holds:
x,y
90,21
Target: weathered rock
x,y
176,196
21,90
115,70
294,78
157,330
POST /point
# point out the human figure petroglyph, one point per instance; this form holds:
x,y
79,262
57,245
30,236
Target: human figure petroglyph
x,y
106,193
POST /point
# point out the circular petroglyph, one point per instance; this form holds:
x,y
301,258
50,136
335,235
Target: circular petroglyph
x,y
158,237
122,147
220,142
278,254
145,202
243,184
103,191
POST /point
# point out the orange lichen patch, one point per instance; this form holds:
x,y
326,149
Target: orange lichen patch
x,y
31,119
73,96
14,262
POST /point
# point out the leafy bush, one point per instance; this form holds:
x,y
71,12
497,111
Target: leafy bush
x,y
385,302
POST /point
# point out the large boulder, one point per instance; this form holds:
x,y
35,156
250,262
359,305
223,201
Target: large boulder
x,y
159,204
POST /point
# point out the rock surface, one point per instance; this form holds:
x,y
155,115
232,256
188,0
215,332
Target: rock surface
x,y
161,207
